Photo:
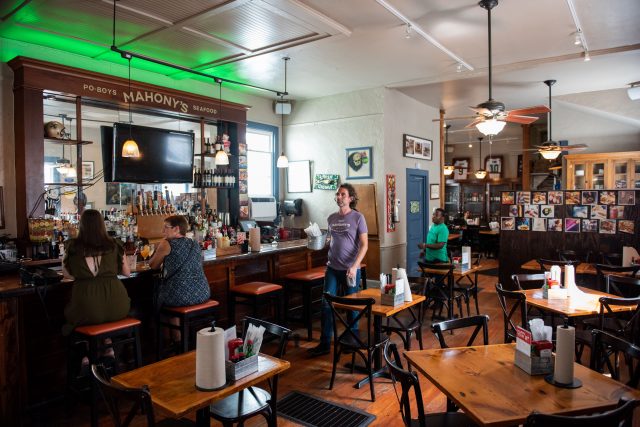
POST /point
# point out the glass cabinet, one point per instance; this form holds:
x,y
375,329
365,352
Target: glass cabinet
x,y
480,198
602,170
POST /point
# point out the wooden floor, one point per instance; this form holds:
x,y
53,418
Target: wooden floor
x,y
311,375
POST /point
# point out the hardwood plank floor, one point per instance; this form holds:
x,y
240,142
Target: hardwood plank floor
x,y
312,375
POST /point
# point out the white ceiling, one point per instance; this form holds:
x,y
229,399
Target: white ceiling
x,y
340,46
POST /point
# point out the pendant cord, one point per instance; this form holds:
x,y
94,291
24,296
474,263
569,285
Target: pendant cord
x,y
549,116
129,103
490,63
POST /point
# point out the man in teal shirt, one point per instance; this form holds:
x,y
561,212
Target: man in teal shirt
x,y
436,246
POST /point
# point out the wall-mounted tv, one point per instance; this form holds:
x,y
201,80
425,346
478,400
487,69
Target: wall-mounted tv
x,y
165,155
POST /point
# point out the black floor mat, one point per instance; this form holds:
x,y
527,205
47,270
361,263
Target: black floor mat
x,y
312,411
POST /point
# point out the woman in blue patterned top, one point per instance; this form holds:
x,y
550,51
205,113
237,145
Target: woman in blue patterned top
x,y
184,282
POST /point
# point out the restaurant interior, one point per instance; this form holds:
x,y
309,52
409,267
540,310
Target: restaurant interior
x,y
518,121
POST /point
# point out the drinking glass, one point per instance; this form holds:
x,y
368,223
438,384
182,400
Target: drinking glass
x,y
145,253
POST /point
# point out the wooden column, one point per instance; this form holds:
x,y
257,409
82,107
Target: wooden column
x,y
13,383
526,157
442,157
29,157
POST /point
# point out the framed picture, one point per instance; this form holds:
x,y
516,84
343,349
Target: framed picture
x,y
462,167
118,194
434,191
416,147
299,177
87,171
325,181
493,166
359,163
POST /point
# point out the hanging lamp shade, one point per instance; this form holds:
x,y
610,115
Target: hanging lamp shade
x,y
130,148
448,170
481,173
222,158
491,127
550,154
282,162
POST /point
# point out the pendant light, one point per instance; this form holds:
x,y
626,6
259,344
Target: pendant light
x,y
64,165
480,173
283,161
222,158
130,147
447,169
550,154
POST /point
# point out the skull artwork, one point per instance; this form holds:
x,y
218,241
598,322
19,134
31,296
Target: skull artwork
x,y
54,129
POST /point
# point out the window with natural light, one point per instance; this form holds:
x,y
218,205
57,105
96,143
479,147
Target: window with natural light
x,y
260,149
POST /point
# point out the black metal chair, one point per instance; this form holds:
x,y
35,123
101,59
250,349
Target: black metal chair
x,y
621,416
115,397
253,401
611,258
528,281
480,322
545,264
349,341
409,380
408,322
607,350
603,272
440,290
567,255
469,289
511,303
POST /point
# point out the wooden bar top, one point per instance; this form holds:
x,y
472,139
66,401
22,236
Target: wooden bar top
x,y
486,384
172,382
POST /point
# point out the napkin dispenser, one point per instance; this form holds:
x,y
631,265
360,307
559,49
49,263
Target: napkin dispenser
x,y
533,357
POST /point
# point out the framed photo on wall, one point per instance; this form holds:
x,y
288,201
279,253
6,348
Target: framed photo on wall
x,y
299,177
434,191
416,147
462,166
87,171
359,162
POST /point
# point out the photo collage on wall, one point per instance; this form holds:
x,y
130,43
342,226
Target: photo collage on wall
x,y
580,211
242,181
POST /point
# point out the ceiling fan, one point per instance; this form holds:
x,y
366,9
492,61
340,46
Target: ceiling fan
x,y
491,116
550,149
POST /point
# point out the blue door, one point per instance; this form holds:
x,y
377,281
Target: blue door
x,y
417,216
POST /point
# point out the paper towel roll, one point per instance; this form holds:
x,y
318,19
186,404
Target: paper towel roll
x,y
402,274
254,239
210,369
565,348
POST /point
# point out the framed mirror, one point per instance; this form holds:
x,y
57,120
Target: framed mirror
x,y
299,177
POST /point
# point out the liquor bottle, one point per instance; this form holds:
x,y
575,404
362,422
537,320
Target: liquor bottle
x,y
207,147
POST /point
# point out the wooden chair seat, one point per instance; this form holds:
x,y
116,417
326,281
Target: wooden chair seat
x,y
256,288
191,309
310,275
106,328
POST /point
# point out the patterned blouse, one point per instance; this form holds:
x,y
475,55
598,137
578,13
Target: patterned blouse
x,y
184,281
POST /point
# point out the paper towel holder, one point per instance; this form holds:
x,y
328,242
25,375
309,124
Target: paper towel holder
x,y
576,383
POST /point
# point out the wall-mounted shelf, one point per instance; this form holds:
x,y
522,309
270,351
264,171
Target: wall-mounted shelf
x,y
67,141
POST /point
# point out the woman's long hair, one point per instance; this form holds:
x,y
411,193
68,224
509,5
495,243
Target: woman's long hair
x,y
93,239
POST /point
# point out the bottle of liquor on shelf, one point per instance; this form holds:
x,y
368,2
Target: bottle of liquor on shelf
x,y
207,147
218,143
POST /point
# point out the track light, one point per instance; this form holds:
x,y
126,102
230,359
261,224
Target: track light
x,y
577,41
587,57
407,31
459,68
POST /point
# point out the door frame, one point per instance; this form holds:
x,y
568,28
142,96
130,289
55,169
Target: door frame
x,y
425,202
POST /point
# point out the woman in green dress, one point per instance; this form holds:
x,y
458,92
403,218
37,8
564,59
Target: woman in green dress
x,y
94,260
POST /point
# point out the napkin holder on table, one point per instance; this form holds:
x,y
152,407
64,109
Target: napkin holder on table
x,y
241,369
555,293
393,299
529,356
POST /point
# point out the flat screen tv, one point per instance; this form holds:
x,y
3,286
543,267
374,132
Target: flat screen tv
x,y
165,155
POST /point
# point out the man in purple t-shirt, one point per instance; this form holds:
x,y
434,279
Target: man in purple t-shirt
x,y
348,246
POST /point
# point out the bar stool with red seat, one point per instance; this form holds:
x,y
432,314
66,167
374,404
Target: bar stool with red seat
x,y
254,294
303,282
189,317
120,332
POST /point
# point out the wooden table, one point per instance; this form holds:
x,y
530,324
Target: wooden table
x,y
173,390
454,236
486,384
380,311
586,304
582,268
490,232
457,275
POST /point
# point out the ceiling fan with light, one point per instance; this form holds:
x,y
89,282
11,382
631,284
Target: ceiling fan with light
x,y
550,149
491,116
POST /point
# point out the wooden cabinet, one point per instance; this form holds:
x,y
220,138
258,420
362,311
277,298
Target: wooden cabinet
x,y
598,171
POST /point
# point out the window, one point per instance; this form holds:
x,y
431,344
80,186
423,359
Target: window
x,y
261,149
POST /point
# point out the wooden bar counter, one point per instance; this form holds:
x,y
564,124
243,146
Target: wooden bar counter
x,y
33,350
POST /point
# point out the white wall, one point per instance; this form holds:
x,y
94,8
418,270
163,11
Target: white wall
x,y
320,130
403,114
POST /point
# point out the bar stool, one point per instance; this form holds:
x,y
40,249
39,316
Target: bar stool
x,y
121,332
189,317
304,282
254,294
